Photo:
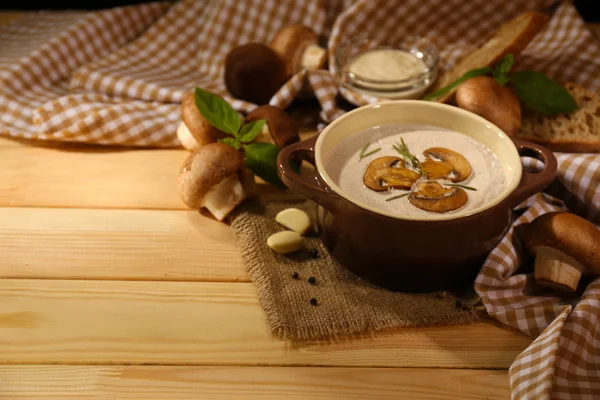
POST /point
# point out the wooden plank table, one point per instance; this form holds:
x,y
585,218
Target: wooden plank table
x,y
112,289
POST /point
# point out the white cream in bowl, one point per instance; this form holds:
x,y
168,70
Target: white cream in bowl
x,y
346,168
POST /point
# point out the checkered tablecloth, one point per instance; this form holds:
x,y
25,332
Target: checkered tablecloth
x,y
116,77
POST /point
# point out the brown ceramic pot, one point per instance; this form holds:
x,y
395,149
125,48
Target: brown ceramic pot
x,y
416,255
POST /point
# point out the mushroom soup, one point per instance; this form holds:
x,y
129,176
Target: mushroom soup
x,y
416,170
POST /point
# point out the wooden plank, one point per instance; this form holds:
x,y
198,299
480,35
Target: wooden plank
x,y
181,323
82,176
90,178
248,383
117,244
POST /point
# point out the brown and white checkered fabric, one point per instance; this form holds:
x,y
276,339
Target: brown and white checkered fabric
x,y
67,79
91,77
564,360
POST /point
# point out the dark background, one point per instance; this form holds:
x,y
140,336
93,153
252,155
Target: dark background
x,y
589,9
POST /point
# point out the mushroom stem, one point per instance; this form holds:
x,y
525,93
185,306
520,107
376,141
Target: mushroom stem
x,y
224,197
314,57
186,138
556,270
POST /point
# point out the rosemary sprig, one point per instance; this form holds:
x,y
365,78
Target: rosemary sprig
x,y
397,197
362,154
461,186
408,156
362,151
370,153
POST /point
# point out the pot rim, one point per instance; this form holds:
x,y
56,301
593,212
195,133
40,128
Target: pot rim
x,y
518,168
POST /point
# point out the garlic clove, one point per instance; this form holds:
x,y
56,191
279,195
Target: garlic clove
x,y
285,242
294,219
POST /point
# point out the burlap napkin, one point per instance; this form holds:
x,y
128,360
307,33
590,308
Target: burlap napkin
x,y
345,304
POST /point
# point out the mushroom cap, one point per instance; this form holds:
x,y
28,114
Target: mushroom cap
x,y
205,168
290,42
569,234
484,96
281,126
254,72
199,127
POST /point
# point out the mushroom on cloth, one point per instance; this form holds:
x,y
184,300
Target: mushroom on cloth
x,y
279,128
195,131
565,247
254,72
484,96
299,47
214,177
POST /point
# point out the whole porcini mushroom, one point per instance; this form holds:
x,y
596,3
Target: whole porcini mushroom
x,y
195,131
213,177
279,128
254,72
498,104
565,247
299,47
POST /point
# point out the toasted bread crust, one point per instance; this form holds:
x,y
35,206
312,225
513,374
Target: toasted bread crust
x,y
492,51
576,132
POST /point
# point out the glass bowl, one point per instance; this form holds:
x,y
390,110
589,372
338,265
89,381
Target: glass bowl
x,y
404,82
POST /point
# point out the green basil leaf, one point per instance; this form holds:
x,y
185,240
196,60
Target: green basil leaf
x,y
233,142
468,75
251,130
540,93
261,158
502,69
217,111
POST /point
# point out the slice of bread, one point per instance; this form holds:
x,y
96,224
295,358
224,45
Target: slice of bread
x,y
512,37
576,132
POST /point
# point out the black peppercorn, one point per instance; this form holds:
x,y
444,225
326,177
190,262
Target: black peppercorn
x,y
313,302
314,253
295,275
312,280
458,304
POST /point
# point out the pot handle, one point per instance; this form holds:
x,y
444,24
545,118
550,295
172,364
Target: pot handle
x,y
313,186
532,183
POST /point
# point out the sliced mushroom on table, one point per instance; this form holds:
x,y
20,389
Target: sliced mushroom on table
x,y
432,196
385,173
566,247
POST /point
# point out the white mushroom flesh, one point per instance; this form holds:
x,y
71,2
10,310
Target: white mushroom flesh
x,y
224,197
185,137
555,269
314,57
